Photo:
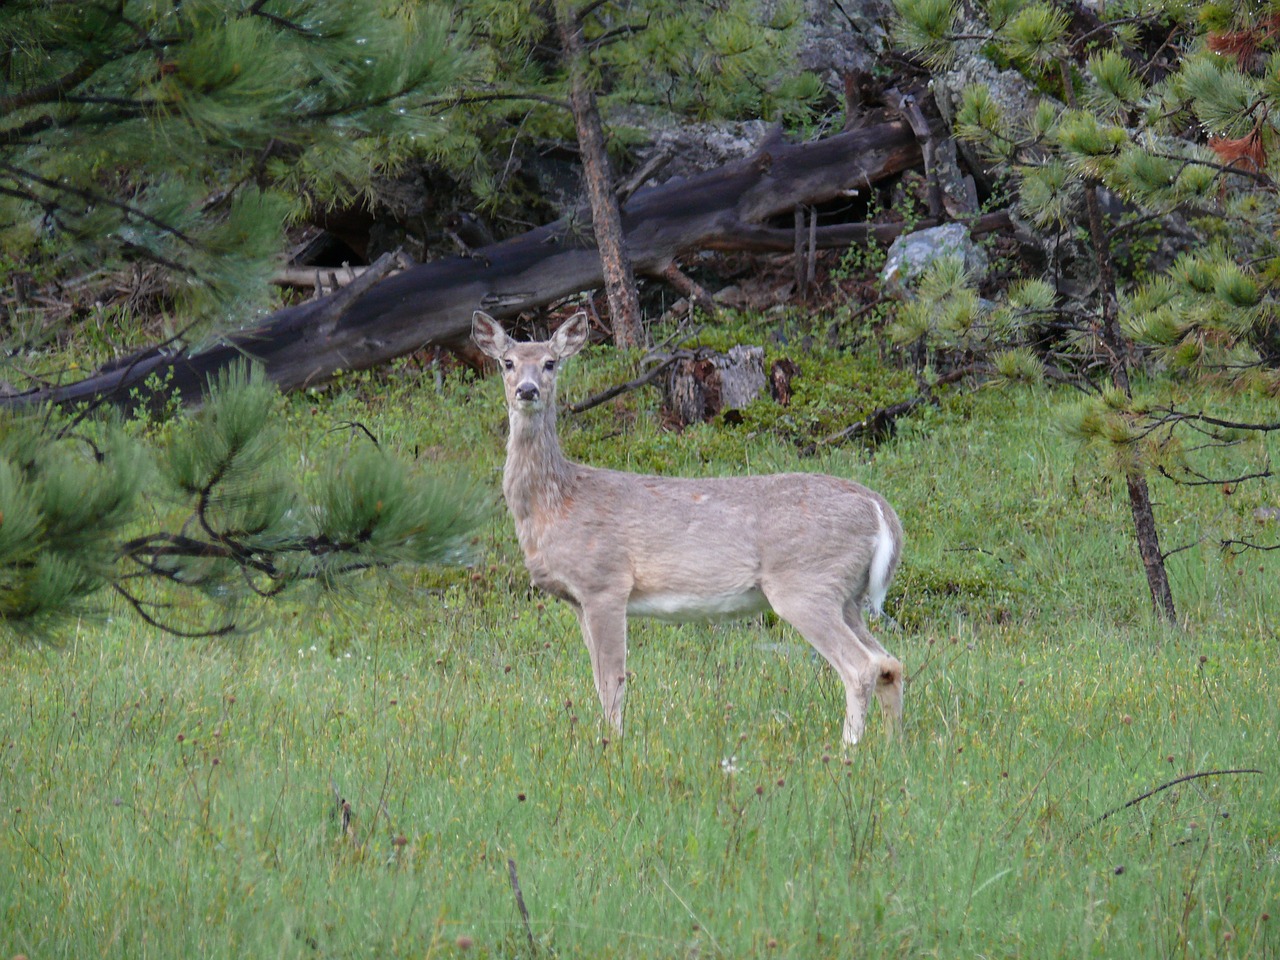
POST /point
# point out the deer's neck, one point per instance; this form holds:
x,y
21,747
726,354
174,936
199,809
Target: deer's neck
x,y
537,476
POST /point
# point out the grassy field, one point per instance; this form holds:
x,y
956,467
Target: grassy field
x,y
168,798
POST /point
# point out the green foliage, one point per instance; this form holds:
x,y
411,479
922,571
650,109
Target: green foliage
x,y
229,441
380,509
1034,35
1193,147
833,387
184,137
178,141
702,60
1019,364
944,310
925,26
1202,314
1089,145
1222,98
980,119
222,516
62,506
1116,89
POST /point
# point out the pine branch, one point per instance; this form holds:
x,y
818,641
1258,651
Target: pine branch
x,y
52,90
142,253
139,607
462,100
347,109
131,103
255,10
1173,415
1261,178
90,196
18,135
588,10
615,35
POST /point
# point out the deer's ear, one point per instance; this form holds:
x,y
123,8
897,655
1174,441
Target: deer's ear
x,y
570,337
488,335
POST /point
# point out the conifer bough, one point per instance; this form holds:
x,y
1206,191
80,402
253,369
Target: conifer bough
x,y
228,522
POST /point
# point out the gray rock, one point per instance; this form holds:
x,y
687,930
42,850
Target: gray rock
x,y
912,253
704,146
841,37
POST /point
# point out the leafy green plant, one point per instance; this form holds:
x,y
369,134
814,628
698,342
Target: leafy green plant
x,y
1187,142
181,139
218,515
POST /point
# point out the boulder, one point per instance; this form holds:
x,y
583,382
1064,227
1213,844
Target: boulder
x,y
912,253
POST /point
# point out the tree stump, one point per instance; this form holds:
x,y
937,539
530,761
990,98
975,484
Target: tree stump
x,y
709,383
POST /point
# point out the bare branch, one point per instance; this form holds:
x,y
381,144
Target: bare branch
x,y
1165,786
139,608
1204,481
1173,414
1237,547
606,395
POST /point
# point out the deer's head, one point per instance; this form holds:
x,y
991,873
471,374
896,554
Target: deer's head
x,y
529,370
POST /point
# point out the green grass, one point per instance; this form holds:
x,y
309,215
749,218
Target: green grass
x,y
168,798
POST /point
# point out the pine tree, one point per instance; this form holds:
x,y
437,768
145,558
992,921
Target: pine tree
x,y
700,60
212,517
180,139
562,71
1189,135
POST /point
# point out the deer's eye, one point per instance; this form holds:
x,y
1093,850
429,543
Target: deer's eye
x,y
549,365
509,364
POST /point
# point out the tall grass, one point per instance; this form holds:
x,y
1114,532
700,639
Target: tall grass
x,y
165,798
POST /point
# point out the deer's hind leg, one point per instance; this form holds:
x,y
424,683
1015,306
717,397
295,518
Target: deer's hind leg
x,y
604,630
888,680
821,622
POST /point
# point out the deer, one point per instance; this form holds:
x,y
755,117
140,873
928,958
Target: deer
x,y
812,548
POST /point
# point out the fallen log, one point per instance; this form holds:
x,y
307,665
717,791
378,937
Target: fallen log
x,y
377,317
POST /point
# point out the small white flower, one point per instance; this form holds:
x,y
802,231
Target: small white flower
x,y
729,764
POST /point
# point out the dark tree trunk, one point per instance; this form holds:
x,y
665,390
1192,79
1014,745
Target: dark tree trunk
x,y
1145,530
1117,348
1148,536
375,320
606,218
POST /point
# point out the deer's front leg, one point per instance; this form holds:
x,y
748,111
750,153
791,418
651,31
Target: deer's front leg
x,y
604,630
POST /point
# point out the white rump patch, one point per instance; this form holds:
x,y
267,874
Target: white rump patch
x,y
878,576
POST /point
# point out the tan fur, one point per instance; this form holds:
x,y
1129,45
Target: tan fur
x,y
812,548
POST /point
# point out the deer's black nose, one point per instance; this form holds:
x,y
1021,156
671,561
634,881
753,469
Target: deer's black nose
x,y
527,392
